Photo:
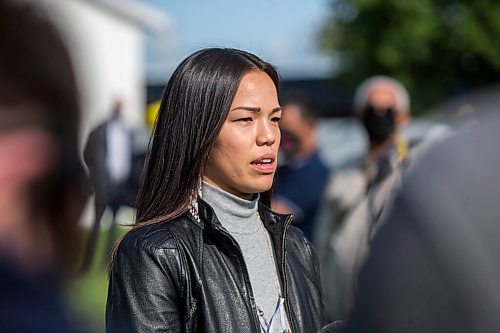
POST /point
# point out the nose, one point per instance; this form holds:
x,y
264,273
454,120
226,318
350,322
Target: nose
x,y
267,133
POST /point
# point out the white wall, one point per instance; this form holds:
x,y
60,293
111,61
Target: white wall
x,y
107,51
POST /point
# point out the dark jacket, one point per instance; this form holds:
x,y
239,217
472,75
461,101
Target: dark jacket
x,y
32,304
187,276
95,157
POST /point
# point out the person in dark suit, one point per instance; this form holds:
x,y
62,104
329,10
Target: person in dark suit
x,y
108,155
301,181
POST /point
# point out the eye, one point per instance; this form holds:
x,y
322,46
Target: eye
x,y
245,120
276,119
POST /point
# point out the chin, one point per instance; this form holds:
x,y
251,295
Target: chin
x,y
259,187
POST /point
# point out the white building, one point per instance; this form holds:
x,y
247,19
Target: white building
x,y
106,41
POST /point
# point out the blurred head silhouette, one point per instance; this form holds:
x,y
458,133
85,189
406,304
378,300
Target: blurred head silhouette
x,y
117,108
42,189
383,106
297,125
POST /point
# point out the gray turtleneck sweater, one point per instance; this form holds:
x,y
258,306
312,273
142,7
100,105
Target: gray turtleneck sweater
x,y
240,218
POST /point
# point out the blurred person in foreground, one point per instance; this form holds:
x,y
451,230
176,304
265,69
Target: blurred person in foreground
x,y
435,265
346,218
207,254
300,182
42,187
108,154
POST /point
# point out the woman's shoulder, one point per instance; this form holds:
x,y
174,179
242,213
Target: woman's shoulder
x,y
302,251
149,251
296,239
160,235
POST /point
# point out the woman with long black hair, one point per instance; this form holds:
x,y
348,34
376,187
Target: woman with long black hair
x,y
207,254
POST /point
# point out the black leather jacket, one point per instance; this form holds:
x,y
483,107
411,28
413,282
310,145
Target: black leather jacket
x,y
187,276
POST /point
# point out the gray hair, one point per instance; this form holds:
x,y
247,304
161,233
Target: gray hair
x,y
366,87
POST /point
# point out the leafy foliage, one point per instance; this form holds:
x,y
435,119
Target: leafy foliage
x,y
436,48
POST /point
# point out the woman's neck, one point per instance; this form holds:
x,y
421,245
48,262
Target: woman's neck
x,y
229,208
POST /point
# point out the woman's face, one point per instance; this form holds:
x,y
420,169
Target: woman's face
x,y
244,157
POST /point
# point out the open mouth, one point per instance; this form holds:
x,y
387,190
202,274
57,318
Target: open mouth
x,y
265,163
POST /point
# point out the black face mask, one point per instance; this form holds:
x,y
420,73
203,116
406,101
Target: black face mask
x,y
379,127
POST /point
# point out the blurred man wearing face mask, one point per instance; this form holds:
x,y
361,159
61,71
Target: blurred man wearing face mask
x,y
382,106
301,180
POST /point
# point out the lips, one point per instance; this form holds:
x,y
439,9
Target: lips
x,y
265,163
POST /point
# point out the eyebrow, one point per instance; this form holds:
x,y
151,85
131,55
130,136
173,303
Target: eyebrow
x,y
255,109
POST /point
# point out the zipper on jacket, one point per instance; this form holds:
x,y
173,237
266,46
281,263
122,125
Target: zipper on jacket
x,y
245,277
283,274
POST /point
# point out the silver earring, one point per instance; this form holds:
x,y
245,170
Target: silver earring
x,y
193,208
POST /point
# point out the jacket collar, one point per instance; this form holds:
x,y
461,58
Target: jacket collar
x,y
273,222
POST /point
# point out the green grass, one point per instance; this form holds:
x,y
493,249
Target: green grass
x,y
87,294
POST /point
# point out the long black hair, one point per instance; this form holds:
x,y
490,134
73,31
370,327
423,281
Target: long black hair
x,y
194,106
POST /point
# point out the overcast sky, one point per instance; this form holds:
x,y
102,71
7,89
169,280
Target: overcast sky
x,y
283,32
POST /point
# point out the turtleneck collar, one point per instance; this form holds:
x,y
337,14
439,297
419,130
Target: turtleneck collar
x,y
234,213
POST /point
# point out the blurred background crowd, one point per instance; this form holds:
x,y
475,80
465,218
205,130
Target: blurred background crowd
x,y
373,92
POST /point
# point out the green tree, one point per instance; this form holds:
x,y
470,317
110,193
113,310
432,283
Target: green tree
x,y
436,48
